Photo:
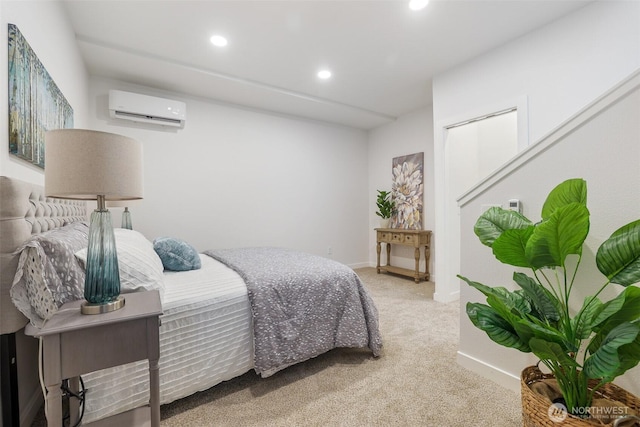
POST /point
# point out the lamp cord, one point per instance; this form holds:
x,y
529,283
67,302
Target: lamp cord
x,y
40,376
70,394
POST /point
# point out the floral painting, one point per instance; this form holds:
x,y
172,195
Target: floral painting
x,y
407,189
36,105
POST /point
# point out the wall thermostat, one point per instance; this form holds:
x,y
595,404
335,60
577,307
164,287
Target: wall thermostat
x,y
515,205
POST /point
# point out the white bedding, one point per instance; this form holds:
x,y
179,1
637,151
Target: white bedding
x,y
205,338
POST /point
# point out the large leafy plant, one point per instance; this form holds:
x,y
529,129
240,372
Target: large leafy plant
x,y
600,340
385,204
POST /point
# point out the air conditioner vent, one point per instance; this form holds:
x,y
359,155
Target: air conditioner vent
x,y
146,109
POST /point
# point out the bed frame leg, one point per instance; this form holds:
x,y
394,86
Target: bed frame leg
x,y
9,375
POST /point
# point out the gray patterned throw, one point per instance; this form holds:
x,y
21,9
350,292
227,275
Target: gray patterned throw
x,y
303,305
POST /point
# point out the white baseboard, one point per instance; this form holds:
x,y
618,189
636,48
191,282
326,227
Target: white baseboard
x,y
445,298
497,375
360,265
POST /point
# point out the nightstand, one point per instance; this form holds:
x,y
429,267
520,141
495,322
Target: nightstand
x,y
74,344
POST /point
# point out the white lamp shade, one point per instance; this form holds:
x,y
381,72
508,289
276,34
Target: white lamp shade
x,y
122,203
83,164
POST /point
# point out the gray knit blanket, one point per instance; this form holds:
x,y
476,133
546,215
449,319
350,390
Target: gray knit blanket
x,y
302,305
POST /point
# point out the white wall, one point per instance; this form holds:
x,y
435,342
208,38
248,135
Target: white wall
x,y
45,26
235,177
560,69
411,133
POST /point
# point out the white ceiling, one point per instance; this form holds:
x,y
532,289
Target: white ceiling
x,y
382,55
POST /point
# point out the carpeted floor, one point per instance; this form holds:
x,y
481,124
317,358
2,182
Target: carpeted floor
x,y
416,382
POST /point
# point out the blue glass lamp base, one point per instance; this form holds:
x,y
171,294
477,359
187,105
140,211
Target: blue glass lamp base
x,y
126,219
88,308
102,279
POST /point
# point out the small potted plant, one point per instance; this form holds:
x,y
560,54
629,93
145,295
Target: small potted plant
x,y
386,207
584,348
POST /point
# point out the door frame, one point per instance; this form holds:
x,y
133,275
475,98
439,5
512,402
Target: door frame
x,y
447,250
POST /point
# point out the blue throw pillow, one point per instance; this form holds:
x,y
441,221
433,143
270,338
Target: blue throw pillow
x,y
176,254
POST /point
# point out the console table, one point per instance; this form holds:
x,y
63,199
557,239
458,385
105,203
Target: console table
x,y
414,238
75,344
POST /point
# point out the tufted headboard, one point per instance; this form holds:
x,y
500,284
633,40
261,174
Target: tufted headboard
x,y
24,211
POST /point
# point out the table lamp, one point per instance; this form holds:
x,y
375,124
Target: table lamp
x,y
126,213
84,164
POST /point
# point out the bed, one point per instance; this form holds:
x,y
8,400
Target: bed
x,y
243,309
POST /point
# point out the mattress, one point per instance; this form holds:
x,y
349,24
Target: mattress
x,y
205,338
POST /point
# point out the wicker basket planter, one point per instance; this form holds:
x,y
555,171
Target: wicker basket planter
x,y
535,407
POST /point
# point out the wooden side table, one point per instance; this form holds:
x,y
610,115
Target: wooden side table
x,y
75,344
414,238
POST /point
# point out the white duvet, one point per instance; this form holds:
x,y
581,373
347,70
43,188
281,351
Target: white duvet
x,y
205,338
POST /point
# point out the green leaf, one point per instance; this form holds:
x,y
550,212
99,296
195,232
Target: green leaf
x,y
547,333
497,328
605,362
509,248
623,308
565,193
528,329
629,356
494,221
551,351
486,290
509,304
618,257
524,330
543,301
583,322
563,233
501,299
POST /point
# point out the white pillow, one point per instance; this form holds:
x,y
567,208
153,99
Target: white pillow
x,y
139,265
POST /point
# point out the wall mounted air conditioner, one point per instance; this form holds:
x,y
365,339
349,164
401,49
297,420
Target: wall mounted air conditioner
x,y
146,109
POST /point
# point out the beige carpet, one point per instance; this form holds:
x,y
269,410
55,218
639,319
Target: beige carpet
x,y
416,382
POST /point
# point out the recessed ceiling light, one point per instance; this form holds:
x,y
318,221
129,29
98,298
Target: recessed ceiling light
x,y
324,74
218,40
418,4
